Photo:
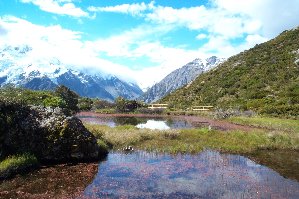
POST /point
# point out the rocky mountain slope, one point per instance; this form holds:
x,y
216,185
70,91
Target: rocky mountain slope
x,y
18,69
180,77
264,78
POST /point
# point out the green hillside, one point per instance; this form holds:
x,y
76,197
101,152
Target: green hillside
x,y
264,79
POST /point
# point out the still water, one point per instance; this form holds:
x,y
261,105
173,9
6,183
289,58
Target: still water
x,y
209,174
161,123
140,174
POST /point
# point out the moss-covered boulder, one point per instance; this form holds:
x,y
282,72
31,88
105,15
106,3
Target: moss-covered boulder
x,y
46,132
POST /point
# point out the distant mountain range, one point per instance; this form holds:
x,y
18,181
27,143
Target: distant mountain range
x,y
180,77
264,79
45,74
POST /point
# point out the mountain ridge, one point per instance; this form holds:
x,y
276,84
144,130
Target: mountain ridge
x,y
45,74
180,77
264,78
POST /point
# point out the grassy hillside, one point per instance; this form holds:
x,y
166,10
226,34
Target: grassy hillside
x,y
264,79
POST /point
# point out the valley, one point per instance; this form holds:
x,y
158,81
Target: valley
x,y
76,121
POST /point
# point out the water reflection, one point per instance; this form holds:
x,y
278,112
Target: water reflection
x,y
207,175
152,124
140,122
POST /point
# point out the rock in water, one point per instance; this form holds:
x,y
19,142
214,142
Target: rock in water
x,y
45,132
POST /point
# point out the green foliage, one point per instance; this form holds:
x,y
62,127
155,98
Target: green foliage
x,y
264,79
70,98
285,125
194,140
292,93
24,96
85,104
103,146
63,97
54,102
17,163
102,104
123,105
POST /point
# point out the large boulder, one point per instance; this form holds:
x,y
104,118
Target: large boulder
x,y
47,133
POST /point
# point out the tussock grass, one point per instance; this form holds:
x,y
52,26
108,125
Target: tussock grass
x,y
193,140
284,125
122,136
16,163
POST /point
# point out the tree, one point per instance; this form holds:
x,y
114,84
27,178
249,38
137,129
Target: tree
x,y
120,104
102,104
70,98
54,102
123,105
85,104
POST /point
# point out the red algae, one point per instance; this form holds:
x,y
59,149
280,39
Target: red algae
x,y
59,181
194,121
209,174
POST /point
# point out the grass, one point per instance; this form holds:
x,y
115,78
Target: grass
x,y
193,140
122,136
17,163
189,113
284,125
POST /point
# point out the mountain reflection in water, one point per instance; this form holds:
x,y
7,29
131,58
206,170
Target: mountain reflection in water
x,y
152,124
209,174
161,123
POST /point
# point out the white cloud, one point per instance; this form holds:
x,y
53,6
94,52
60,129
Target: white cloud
x,y
134,9
221,47
220,23
138,43
189,17
274,16
252,40
167,60
123,45
201,36
56,42
224,21
66,45
232,18
214,20
61,7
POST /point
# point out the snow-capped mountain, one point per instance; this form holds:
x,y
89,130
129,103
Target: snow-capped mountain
x,y
180,78
18,67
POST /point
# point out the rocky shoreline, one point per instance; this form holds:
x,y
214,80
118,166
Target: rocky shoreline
x,y
47,133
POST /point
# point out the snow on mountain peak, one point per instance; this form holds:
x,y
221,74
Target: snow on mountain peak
x,y
180,77
16,51
22,66
20,60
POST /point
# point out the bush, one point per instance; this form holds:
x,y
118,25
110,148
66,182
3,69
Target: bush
x,y
70,98
85,104
285,110
54,102
123,105
102,104
223,114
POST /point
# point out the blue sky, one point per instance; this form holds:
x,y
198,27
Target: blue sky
x,y
141,40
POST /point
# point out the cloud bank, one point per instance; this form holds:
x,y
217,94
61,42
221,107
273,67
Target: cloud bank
x,y
223,28
60,7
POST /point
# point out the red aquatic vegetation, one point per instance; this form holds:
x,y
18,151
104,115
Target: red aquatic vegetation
x,y
194,120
